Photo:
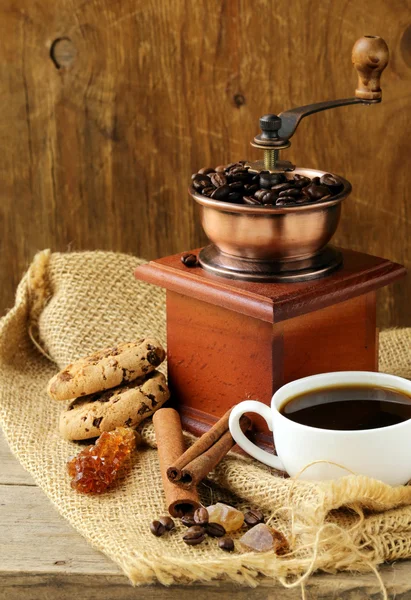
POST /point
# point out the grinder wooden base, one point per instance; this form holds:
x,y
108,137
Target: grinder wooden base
x,y
230,340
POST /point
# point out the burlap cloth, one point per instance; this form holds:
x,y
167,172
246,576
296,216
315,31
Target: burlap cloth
x,y
72,304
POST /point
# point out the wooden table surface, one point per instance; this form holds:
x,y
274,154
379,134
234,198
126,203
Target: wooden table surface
x,y
43,558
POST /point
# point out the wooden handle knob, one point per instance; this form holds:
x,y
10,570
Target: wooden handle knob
x,y
370,57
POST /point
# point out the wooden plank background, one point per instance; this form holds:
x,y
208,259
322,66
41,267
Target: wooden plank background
x,y
98,144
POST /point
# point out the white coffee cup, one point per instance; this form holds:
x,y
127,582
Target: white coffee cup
x,y
383,453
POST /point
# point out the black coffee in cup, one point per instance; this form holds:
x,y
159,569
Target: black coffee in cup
x,y
349,408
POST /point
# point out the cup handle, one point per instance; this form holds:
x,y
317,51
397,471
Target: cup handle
x,y
234,424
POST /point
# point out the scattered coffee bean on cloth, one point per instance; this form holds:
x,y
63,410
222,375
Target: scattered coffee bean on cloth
x,y
236,184
201,516
253,517
226,544
215,530
194,535
159,526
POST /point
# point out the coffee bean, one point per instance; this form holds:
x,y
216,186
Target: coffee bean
x,y
189,260
157,528
260,194
200,182
237,186
221,193
269,179
253,517
280,187
201,516
332,182
251,201
167,522
285,201
215,530
251,188
278,178
208,190
236,169
239,176
226,544
235,198
301,182
265,181
218,179
269,198
316,192
290,192
188,520
195,535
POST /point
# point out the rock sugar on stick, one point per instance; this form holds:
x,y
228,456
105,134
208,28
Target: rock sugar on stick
x,y
96,467
170,445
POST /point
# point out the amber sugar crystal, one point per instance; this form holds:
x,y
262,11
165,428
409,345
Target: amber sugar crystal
x,y
227,516
96,467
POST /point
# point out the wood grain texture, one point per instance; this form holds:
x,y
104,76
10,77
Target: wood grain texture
x,y
42,557
102,130
337,338
218,357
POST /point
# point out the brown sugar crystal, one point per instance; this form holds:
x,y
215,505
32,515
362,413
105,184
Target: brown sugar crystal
x,y
262,538
96,467
227,516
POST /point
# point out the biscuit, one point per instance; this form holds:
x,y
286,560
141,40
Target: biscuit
x,y
126,405
106,369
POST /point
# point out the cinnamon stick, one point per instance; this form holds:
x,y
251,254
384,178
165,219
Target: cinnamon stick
x,y
205,454
170,445
199,447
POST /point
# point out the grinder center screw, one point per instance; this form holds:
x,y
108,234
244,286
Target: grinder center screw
x,y
270,126
270,141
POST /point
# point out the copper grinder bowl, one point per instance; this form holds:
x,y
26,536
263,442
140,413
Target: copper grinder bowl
x,y
272,234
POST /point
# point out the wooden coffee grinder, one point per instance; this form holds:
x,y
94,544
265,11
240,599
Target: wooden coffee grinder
x,y
270,300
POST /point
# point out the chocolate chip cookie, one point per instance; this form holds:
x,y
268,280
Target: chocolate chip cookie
x,y
106,369
126,405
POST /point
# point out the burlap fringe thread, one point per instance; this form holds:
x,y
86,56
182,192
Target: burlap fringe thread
x,y
71,304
